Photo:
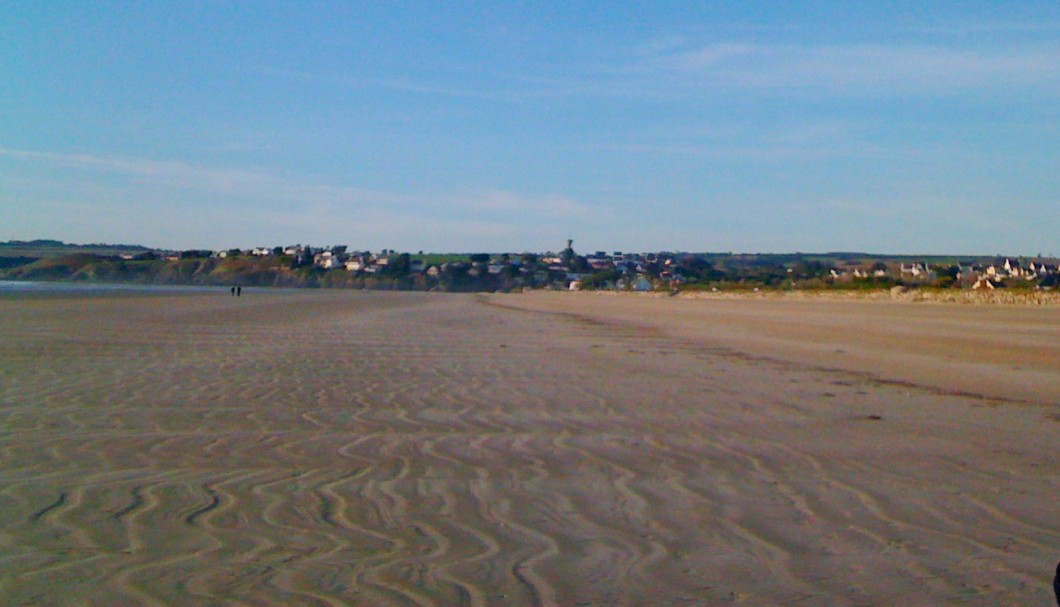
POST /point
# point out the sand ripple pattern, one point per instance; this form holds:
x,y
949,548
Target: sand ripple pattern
x,y
341,449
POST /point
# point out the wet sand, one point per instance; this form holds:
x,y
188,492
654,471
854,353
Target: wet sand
x,y
340,448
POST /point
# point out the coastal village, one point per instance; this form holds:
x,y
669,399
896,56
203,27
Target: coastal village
x,y
341,267
665,270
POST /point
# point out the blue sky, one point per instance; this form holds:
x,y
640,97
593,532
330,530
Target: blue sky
x,y
897,127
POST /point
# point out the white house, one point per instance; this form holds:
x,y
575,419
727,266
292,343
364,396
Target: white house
x,y
913,269
331,263
983,283
1012,268
328,260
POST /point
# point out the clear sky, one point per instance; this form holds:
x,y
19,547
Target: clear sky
x,y
887,127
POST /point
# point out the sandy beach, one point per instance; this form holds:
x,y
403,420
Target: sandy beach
x,y
342,448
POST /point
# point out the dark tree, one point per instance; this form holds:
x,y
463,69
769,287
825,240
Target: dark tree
x,y
398,267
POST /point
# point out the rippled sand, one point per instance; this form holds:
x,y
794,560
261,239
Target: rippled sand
x,y
339,448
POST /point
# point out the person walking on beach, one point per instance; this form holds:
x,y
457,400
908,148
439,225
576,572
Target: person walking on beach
x,y
1056,584
239,291
233,291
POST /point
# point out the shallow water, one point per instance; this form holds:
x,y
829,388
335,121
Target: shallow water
x,y
36,286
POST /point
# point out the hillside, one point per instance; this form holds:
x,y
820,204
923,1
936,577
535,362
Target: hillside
x,y
21,252
245,271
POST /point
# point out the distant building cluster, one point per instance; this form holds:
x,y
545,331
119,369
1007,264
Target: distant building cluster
x,y
662,270
340,267
565,270
988,274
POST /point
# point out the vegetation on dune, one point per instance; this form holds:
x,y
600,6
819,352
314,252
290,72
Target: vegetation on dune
x,y
16,261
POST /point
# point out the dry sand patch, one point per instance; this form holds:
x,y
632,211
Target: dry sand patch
x,y
1007,352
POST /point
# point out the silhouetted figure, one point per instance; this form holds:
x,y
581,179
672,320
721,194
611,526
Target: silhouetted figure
x,y
239,291
233,291
1056,584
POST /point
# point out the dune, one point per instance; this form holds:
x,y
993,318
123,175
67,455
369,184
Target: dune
x,y
351,448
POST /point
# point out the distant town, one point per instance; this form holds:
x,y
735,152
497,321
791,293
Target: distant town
x,y
301,265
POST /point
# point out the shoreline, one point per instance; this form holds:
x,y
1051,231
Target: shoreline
x,y
1017,297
